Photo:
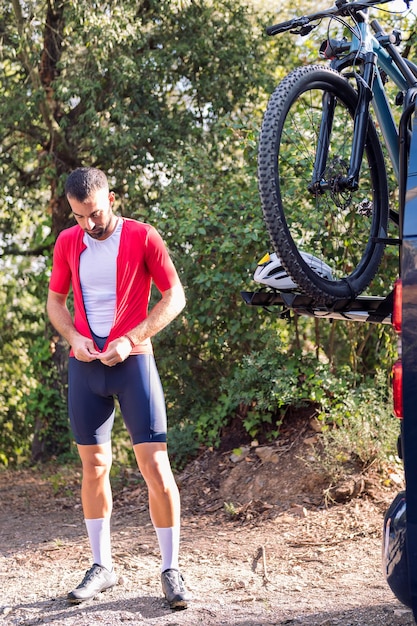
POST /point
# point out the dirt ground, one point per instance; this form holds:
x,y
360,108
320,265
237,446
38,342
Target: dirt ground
x,y
261,546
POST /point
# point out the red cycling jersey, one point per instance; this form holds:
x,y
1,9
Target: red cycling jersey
x,y
142,258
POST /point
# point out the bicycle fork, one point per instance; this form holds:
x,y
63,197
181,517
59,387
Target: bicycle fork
x,y
349,181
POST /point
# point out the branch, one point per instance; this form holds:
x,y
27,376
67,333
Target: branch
x,y
14,251
33,71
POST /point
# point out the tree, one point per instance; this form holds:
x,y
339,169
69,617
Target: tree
x,y
167,98
124,87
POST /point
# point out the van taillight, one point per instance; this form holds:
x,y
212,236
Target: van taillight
x,y
397,388
397,310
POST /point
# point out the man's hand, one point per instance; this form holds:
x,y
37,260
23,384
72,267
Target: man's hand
x,y
84,349
117,351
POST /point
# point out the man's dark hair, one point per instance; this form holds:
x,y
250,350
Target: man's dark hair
x,y
84,181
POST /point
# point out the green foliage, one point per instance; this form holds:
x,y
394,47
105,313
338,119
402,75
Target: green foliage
x,y
130,103
211,221
46,404
182,445
230,509
169,103
265,384
14,387
357,424
20,322
363,430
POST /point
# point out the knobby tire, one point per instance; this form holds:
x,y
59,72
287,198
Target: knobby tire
x,y
339,227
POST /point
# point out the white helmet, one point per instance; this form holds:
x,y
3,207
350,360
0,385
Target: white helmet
x,y
271,272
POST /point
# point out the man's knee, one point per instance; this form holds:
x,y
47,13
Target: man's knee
x,y
154,466
96,462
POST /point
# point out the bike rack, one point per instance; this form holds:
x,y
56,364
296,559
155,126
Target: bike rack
x,y
372,309
375,309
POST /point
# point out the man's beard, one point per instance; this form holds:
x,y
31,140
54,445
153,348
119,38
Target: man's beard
x,y
99,232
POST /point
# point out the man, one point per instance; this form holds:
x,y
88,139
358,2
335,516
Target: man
x,y
110,263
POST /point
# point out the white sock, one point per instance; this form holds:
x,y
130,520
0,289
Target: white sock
x,y
99,535
169,544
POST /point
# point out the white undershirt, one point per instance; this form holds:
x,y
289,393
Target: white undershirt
x,y
98,269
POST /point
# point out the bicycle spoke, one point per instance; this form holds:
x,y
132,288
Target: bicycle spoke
x,y
313,210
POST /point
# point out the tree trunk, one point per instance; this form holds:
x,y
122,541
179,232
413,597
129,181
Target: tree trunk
x,y
51,433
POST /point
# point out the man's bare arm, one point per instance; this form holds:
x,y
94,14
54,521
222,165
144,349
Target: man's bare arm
x,y
83,347
165,310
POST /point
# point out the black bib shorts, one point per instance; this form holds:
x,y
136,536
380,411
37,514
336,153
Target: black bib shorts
x,y
93,387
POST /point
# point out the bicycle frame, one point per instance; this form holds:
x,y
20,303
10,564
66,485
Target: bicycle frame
x,y
378,55
320,138
395,67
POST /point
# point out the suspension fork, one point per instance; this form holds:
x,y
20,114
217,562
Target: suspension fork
x,y
318,184
360,127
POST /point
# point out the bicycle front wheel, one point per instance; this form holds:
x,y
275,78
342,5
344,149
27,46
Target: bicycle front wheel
x,y
342,227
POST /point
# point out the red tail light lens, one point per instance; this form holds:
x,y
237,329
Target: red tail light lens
x,y
397,311
397,388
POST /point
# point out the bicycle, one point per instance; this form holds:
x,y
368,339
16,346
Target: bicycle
x,y
321,168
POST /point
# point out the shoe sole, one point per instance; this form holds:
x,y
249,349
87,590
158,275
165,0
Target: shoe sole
x,y
178,605
83,600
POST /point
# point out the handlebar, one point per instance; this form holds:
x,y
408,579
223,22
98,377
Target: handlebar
x,y
341,8
284,26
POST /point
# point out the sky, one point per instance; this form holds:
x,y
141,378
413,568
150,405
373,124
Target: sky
x,y
399,5
395,5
